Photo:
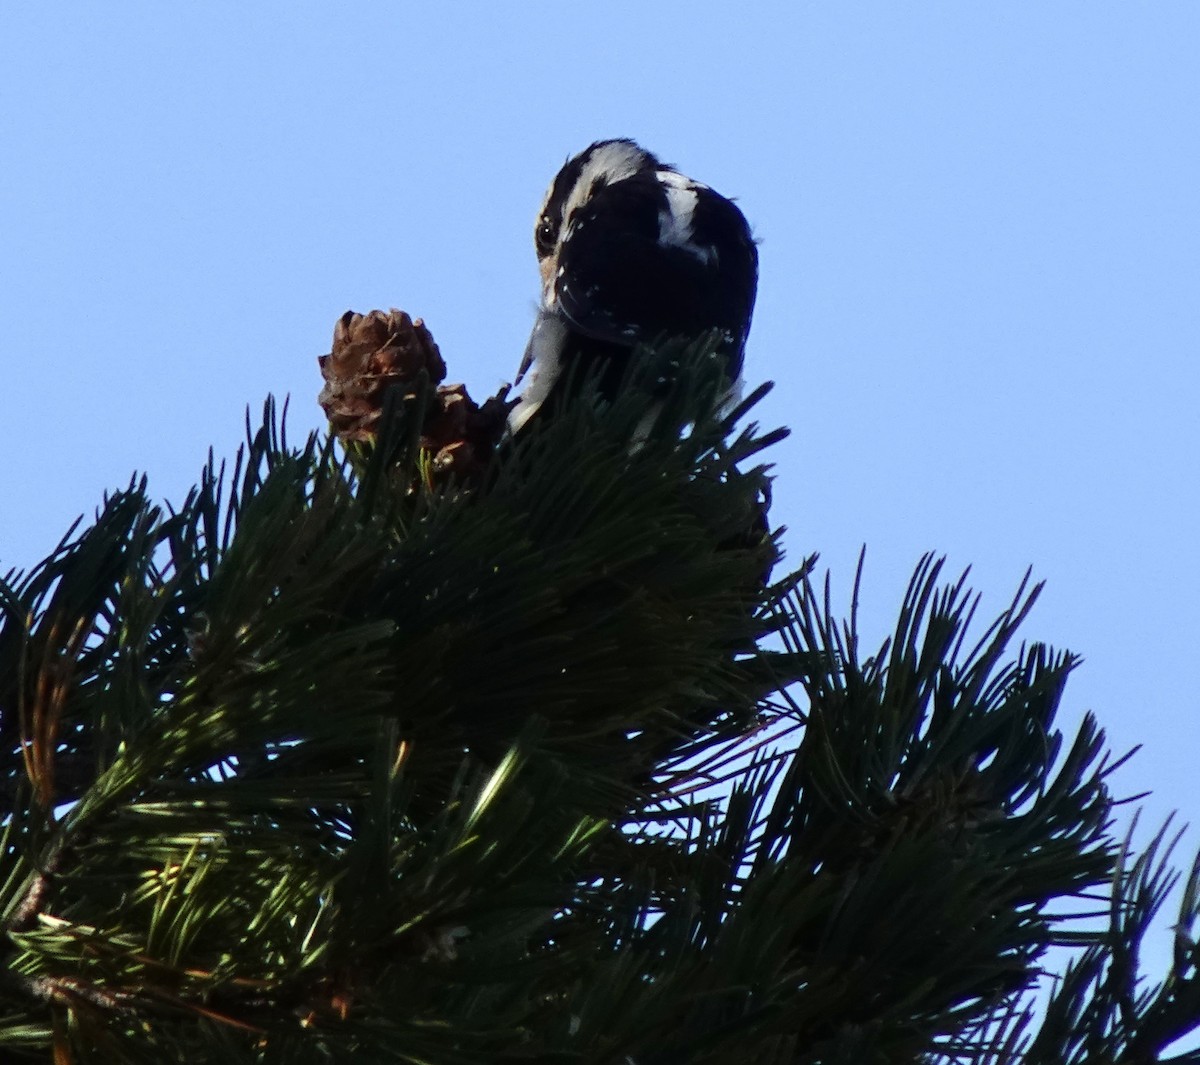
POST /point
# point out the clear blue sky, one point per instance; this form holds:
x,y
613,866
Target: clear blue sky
x,y
980,265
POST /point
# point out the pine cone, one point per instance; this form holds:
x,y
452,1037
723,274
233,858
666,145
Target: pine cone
x,y
460,433
370,353
375,351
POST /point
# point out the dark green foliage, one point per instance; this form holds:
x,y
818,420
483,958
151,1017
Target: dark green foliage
x,y
327,765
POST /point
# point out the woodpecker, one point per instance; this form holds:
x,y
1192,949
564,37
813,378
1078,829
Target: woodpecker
x,y
631,251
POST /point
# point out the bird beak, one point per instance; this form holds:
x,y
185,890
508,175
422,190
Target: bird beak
x,y
548,266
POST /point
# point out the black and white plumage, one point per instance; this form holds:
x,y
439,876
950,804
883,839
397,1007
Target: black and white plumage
x,y
631,251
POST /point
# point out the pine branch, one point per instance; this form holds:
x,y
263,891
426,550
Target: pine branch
x,y
367,757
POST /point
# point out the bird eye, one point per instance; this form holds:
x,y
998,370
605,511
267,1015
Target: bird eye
x,y
543,236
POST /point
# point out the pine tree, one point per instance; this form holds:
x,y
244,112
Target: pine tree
x,y
385,753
